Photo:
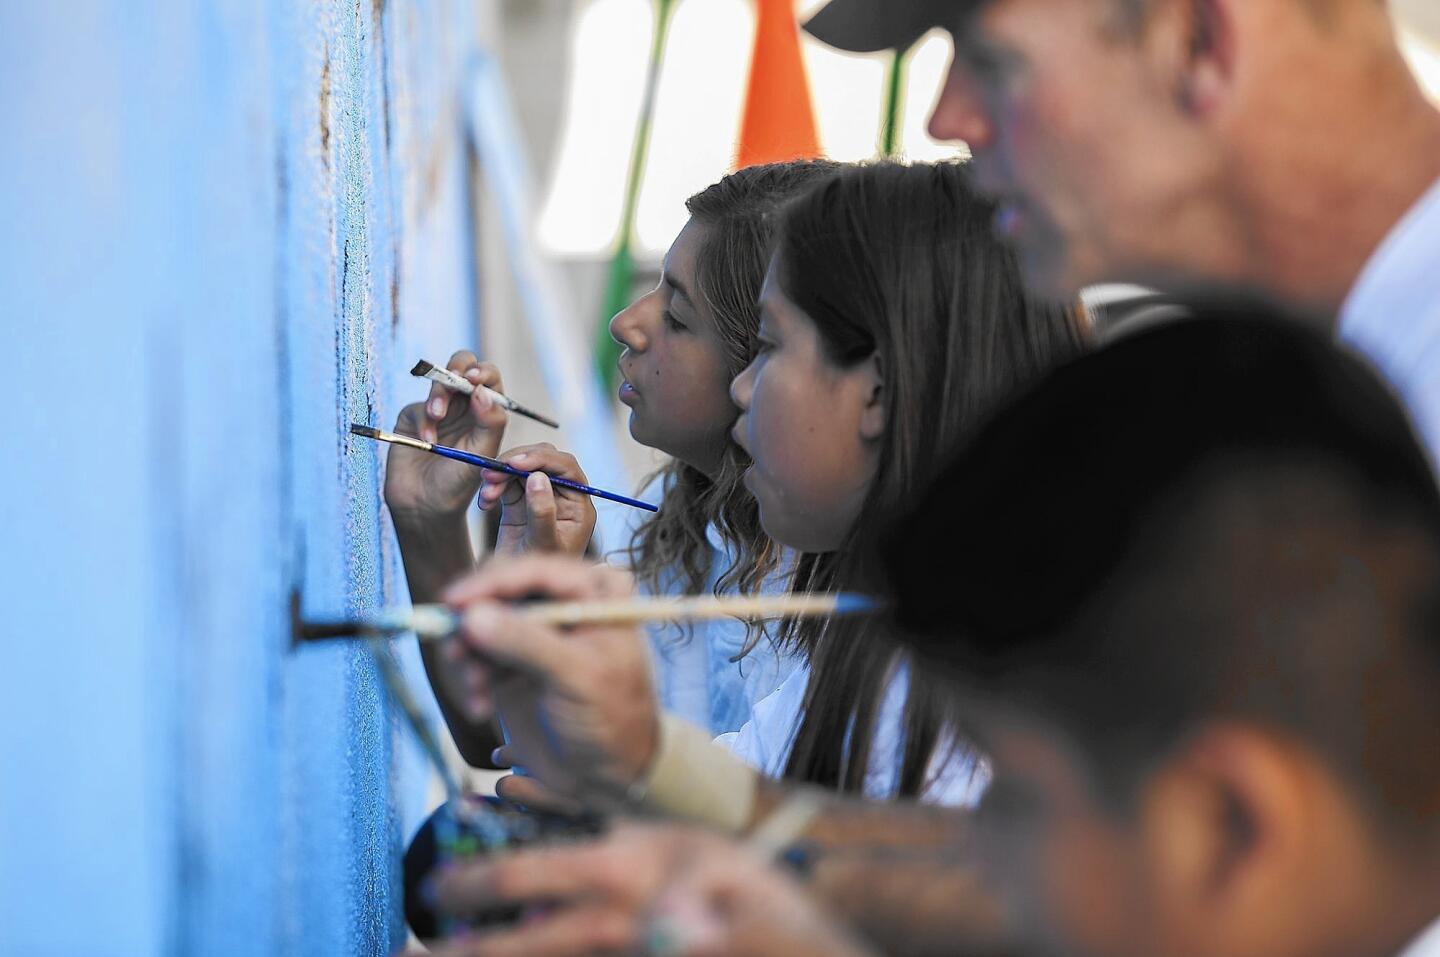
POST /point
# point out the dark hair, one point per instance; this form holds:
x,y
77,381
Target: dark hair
x,y
729,270
1171,529
900,262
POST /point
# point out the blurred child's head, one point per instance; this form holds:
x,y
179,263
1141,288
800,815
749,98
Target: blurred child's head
x,y
1194,619
891,321
684,341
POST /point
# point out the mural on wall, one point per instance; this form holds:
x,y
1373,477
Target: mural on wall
x,y
235,225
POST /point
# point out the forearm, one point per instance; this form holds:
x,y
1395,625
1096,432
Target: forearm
x,y
900,872
436,553
911,903
929,900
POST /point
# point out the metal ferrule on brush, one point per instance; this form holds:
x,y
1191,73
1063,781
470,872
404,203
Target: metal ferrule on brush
x,y
392,437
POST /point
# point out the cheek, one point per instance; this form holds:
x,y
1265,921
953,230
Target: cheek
x,y
693,387
804,443
1089,893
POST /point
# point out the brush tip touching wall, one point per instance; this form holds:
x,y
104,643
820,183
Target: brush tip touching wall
x,y
365,430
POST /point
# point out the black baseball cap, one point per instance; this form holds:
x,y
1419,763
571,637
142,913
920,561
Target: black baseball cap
x,y
865,26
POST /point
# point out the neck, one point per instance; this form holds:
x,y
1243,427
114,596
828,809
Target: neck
x,y
1362,147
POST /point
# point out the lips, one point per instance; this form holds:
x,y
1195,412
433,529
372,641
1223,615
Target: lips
x,y
627,392
737,435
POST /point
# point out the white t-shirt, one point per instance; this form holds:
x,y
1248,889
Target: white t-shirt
x,y
695,676
1392,314
1427,944
956,777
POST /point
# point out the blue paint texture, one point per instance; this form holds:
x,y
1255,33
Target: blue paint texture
x,y
227,229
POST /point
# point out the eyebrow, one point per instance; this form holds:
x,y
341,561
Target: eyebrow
x,y
679,287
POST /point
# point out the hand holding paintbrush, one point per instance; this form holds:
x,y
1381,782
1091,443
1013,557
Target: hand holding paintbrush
x,y
452,379
421,489
549,643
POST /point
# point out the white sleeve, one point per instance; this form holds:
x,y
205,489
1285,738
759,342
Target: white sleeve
x,y
765,740
954,778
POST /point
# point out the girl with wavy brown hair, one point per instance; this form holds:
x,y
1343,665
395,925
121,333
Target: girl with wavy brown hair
x,y
684,341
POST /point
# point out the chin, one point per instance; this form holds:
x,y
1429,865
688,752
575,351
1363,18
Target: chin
x,y
798,539
637,429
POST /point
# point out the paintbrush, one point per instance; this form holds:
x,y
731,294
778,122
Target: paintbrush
x,y
432,622
481,819
458,383
485,462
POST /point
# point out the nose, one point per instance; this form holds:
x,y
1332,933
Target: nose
x,y
628,326
960,113
742,387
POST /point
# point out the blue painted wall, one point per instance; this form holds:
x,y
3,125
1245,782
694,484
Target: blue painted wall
x,y
234,224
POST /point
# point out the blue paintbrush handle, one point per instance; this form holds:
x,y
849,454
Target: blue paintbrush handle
x,y
485,462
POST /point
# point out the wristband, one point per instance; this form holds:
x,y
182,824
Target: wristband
x,y
696,779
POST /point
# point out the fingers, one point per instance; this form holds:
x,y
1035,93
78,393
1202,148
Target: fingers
x,y
441,403
532,795
411,419
561,577
499,487
508,489
596,871
438,402
540,512
544,457
479,373
588,930
505,637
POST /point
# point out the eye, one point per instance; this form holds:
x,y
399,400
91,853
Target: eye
x,y
673,323
993,70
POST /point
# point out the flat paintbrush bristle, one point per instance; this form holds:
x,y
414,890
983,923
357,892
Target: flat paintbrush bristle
x,y
364,430
422,368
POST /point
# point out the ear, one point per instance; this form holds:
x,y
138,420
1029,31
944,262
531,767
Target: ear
x,y
1207,65
875,418
1225,819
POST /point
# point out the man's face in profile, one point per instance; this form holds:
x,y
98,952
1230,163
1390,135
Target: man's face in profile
x,y
1069,869
1071,115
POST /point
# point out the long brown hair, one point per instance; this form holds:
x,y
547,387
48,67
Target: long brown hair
x,y
670,550
900,262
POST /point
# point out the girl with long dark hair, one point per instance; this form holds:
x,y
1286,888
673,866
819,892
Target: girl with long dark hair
x,y
684,342
892,323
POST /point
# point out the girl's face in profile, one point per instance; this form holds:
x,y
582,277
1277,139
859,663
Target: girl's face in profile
x,y
811,427
673,366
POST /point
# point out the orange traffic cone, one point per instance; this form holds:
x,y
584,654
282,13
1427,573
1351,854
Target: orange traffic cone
x,y
779,122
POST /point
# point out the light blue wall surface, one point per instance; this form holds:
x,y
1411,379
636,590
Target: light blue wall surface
x,y
227,228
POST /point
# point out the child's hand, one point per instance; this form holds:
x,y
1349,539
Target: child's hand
x,y
728,901
420,486
578,704
537,516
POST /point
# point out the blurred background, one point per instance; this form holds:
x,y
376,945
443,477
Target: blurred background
x,y
228,228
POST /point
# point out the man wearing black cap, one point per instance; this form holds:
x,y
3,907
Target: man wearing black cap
x,y
1276,145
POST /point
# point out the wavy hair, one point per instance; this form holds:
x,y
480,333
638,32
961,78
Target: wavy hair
x,y
738,214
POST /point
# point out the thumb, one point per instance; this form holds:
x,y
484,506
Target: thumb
x,y
540,506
